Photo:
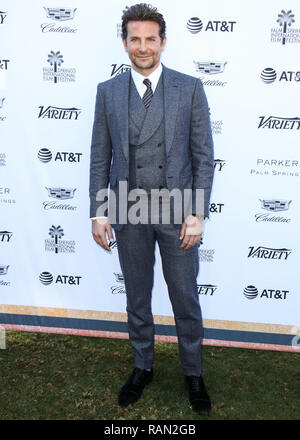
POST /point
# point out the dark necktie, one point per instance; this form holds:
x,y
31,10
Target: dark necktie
x,y
148,93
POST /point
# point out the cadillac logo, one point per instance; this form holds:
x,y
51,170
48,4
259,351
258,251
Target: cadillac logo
x,y
210,68
3,269
60,14
275,205
61,193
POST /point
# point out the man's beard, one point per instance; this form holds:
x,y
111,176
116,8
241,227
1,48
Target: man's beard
x,y
147,66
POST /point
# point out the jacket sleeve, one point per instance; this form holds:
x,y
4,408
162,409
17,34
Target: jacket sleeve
x,y
201,145
101,154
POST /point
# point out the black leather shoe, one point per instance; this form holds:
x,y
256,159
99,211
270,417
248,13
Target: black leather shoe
x,y
198,397
133,388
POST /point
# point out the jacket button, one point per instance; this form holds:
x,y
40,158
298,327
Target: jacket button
x,y
139,166
160,166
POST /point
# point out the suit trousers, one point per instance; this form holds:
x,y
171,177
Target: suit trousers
x,y
136,249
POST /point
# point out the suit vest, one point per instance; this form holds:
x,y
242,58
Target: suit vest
x,y
147,159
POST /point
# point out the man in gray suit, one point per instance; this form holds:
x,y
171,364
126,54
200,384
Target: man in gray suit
x,y
152,132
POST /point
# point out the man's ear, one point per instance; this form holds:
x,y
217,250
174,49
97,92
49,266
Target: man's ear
x,y
125,44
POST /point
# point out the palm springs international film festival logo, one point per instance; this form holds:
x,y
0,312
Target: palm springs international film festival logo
x,y
59,15
195,25
285,33
56,244
55,73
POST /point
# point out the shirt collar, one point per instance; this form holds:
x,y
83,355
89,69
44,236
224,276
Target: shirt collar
x,y
153,77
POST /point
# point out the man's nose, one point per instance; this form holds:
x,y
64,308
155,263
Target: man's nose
x,y
143,46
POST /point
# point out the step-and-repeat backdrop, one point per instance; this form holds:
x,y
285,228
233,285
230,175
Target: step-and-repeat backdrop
x,y
53,276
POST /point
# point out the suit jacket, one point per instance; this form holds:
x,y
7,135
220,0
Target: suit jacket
x,y
188,139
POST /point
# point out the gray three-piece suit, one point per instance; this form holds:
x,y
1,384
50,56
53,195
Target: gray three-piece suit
x,y
169,145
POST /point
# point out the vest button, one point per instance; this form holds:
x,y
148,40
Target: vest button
x,y
139,166
160,166
159,145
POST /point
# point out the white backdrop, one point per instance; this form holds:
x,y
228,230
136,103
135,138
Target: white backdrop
x,y
52,56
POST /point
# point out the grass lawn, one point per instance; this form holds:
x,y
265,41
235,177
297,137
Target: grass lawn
x,y
59,377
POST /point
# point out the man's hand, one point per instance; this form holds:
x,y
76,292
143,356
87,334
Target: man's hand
x,y
100,227
191,231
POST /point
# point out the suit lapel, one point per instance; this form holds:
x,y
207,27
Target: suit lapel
x,y
171,102
137,110
121,102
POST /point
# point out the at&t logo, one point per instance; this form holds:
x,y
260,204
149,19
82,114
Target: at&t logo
x,y
269,76
251,292
195,25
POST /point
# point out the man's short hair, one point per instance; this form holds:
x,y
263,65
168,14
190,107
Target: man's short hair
x,y
143,12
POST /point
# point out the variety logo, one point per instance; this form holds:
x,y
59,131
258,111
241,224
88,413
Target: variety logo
x,y
279,123
60,194
3,271
5,192
285,33
266,253
51,112
117,70
5,236
219,164
251,292
45,156
56,244
206,289
3,16
4,64
269,75
273,205
276,167
55,73
210,68
59,15
47,278
195,25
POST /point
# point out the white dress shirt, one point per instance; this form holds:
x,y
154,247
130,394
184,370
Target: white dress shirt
x,y
138,79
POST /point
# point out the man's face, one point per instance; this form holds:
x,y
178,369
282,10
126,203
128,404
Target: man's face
x,y
143,45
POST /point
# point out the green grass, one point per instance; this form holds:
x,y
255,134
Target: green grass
x,y
59,377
